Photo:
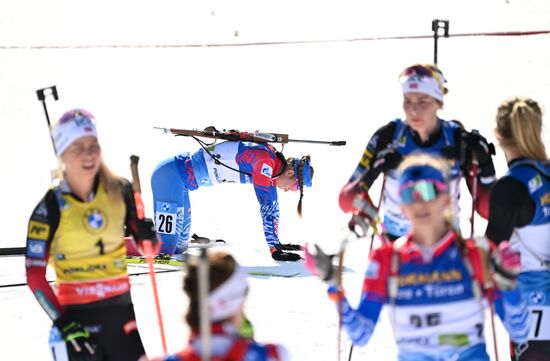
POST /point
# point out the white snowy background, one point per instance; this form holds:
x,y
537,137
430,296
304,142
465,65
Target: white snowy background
x,y
123,61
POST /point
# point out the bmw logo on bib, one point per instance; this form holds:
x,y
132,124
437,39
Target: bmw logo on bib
x,y
94,220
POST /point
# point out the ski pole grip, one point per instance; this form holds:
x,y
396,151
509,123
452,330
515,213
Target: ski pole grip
x,y
134,160
41,93
338,142
136,186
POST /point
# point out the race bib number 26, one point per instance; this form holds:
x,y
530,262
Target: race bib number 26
x,y
165,217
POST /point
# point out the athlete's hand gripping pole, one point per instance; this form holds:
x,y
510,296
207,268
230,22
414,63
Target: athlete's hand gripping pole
x,y
147,244
473,175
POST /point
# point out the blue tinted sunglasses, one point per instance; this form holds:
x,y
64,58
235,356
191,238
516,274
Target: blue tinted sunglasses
x,y
421,191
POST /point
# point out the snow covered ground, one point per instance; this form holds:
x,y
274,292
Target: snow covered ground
x,y
333,90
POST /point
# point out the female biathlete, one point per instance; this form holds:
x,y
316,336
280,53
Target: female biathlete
x,y
78,227
226,162
519,213
432,280
423,89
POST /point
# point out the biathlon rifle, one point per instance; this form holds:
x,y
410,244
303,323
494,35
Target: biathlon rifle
x,y
236,136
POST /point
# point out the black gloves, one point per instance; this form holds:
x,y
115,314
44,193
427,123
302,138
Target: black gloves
x,y
289,247
279,253
80,343
146,230
474,144
387,159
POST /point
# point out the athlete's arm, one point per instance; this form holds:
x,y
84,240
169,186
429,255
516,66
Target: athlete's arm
x,y
41,229
364,173
263,169
360,323
510,206
467,145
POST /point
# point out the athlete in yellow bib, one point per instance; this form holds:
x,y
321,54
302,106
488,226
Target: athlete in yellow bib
x,y
78,228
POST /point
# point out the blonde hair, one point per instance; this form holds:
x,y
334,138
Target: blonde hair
x,y
111,182
519,125
436,162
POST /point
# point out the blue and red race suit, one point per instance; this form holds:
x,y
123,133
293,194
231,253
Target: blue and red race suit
x,y
434,301
227,162
226,345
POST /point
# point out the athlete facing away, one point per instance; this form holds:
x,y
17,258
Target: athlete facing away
x,y
232,334
519,213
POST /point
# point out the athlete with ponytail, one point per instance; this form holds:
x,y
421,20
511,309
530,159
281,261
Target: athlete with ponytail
x,y
519,214
227,162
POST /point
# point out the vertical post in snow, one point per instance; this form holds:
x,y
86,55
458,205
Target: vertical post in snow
x,y
436,26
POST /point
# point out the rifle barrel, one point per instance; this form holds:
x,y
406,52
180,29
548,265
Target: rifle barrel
x,y
335,142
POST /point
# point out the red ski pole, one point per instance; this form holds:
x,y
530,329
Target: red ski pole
x,y
147,244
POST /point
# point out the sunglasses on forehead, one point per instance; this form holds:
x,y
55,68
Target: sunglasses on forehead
x,y
421,191
74,115
423,71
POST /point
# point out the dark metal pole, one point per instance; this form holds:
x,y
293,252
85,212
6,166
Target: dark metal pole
x,y
42,94
436,26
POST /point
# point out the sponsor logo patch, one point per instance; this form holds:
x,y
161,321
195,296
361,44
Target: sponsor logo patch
x,y
267,170
535,183
35,262
38,230
36,248
545,199
94,221
41,210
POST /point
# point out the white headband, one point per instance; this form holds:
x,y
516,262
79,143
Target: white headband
x,y
227,299
422,84
73,125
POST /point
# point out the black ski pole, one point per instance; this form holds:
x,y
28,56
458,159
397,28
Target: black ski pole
x,y
42,93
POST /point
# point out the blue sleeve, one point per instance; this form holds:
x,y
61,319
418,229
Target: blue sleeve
x,y
514,314
269,211
360,323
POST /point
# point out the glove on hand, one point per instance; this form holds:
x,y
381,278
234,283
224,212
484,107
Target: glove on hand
x,y
147,232
289,247
474,143
320,264
507,264
80,343
285,256
387,159
278,253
